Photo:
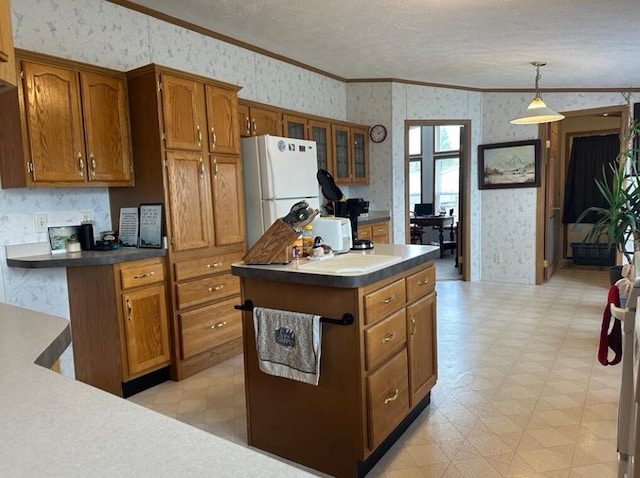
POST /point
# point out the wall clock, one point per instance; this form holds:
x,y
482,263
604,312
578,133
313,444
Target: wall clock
x,y
378,133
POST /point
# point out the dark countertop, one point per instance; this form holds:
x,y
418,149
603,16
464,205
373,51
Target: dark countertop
x,y
410,255
85,258
374,216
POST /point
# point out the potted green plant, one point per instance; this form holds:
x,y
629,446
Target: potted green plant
x,y
619,220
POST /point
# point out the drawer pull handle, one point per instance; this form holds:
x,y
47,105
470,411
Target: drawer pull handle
x,y
215,264
413,325
392,397
218,325
423,282
216,288
389,299
144,275
389,338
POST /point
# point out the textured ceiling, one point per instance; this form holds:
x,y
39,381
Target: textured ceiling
x,y
481,44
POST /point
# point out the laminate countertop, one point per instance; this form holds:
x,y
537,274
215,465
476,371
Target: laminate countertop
x,y
53,425
349,270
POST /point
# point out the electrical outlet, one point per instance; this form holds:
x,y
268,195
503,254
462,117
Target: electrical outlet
x,y
87,216
41,222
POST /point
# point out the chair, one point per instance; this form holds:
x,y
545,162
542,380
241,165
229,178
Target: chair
x,y
451,228
415,231
452,244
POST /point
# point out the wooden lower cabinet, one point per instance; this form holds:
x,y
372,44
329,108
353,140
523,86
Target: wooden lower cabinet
x,y
375,375
376,232
119,322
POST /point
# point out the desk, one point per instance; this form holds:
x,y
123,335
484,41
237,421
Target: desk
x,y
438,222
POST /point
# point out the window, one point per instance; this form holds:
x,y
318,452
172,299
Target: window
x,y
415,166
447,182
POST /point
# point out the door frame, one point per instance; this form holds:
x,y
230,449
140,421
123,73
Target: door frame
x,y
541,196
464,186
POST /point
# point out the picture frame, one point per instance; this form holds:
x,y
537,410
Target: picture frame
x,y
58,236
128,230
514,164
150,226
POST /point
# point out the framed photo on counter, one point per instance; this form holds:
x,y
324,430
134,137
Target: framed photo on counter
x,y
150,226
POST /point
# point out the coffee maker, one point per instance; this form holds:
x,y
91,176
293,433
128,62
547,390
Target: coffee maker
x,y
351,208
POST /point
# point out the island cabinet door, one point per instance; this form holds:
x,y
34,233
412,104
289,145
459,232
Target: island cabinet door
x,y
146,329
421,330
189,201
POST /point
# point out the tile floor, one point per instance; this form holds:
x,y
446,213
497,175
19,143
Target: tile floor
x,y
520,393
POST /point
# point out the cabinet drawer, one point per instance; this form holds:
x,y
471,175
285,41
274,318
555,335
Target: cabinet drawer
x,y
384,301
207,327
421,283
380,233
385,339
387,398
205,266
365,232
141,273
206,290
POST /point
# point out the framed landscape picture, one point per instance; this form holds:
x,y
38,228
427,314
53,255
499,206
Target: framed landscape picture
x,y
509,165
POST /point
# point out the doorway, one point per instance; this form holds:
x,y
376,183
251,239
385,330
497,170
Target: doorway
x,y
437,176
553,238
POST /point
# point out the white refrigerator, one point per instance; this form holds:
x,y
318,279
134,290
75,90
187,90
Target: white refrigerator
x,y
278,172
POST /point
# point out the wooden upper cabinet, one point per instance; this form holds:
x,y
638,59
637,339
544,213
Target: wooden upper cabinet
x,y
54,118
189,196
222,111
183,113
254,121
75,127
295,127
7,56
106,128
350,154
320,132
228,203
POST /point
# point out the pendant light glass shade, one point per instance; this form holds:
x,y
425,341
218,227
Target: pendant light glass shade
x,y
537,111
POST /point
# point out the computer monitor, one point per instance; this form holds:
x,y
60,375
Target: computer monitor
x,y
423,209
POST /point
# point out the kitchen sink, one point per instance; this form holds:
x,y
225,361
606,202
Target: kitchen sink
x,y
352,263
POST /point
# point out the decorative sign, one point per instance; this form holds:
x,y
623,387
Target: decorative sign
x,y
58,237
128,231
150,225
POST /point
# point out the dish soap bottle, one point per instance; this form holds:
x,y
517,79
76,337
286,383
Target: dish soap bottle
x,y
307,240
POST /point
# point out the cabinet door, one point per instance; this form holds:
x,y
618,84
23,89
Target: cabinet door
x,y
106,128
244,121
7,58
222,111
320,132
146,329
294,127
359,156
228,201
265,122
341,151
421,330
183,113
189,201
380,233
54,123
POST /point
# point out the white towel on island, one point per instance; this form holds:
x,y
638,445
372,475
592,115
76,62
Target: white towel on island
x,y
288,343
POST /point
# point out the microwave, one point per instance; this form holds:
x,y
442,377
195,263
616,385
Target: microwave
x,y
334,231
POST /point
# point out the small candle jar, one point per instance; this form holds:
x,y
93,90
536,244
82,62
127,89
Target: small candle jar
x,y
73,245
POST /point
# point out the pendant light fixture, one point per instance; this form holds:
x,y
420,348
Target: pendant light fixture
x,y
537,111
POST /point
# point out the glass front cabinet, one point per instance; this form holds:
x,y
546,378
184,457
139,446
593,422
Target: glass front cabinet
x,y
351,154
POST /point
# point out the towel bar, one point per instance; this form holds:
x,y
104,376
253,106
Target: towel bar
x,y
347,319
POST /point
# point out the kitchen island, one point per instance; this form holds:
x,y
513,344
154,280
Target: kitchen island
x,y
378,360
55,426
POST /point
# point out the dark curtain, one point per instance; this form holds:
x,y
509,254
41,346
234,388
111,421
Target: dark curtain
x,y
589,154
